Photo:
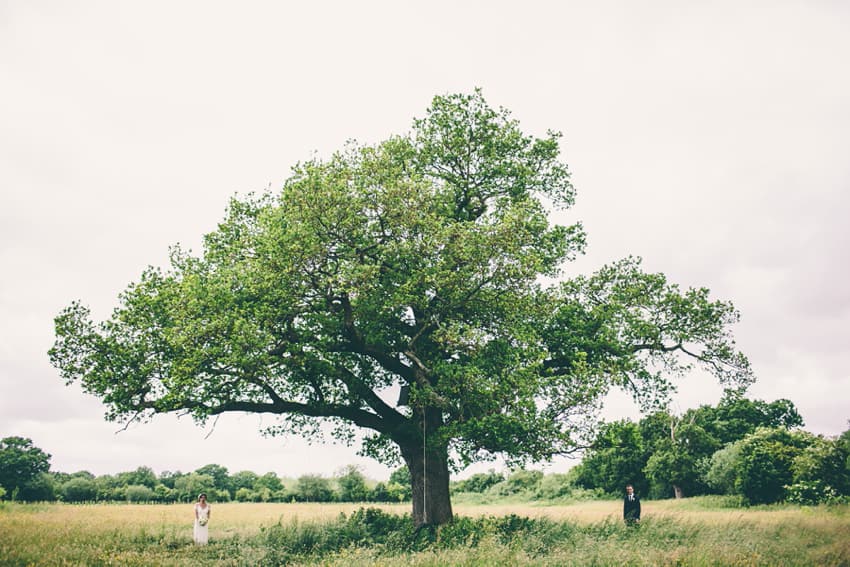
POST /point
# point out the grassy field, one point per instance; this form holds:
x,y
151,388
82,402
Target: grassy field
x,y
699,531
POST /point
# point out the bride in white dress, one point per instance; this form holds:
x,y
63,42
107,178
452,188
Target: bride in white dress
x,y
201,532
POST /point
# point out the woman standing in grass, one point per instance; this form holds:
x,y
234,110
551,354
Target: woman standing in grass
x,y
201,532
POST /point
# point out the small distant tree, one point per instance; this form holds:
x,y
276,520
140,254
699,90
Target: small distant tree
x,y
399,485
243,479
163,494
735,417
724,468
109,488
21,466
479,482
379,493
141,476
617,456
767,459
244,494
169,477
678,461
823,463
220,476
519,481
666,455
40,489
843,441
262,494
269,481
190,486
79,490
352,485
400,476
139,493
397,492
313,488
81,474
555,486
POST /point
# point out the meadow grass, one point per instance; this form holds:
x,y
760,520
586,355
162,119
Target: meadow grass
x,y
698,531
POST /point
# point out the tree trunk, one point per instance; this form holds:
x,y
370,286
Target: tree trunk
x,y
429,475
677,491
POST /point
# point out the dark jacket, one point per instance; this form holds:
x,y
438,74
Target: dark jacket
x,y
631,508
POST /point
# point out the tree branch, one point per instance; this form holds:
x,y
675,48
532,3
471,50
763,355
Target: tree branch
x,y
369,396
353,414
359,345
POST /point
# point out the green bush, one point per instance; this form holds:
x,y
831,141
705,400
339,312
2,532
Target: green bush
x,y
519,482
478,482
766,461
139,493
79,490
366,527
313,488
245,495
554,486
394,534
40,489
352,485
810,493
163,494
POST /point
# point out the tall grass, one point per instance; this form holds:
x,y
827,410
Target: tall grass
x,y
690,532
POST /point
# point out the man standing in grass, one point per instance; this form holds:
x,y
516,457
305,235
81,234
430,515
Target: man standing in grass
x,y
631,506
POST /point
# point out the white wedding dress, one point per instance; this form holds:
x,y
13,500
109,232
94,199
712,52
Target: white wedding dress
x,y
201,533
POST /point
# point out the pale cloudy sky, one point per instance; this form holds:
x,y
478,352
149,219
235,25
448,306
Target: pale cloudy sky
x,y
713,139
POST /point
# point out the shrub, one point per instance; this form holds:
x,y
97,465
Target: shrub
x,y
724,468
40,489
520,481
352,485
163,494
139,493
766,464
479,482
554,486
313,488
364,528
823,461
810,493
245,495
398,493
79,490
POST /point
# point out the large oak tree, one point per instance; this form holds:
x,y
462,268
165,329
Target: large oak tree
x,y
423,263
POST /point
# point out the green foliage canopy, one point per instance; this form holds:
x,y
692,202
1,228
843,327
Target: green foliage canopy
x,y
313,488
766,460
352,485
617,457
697,452
79,490
21,464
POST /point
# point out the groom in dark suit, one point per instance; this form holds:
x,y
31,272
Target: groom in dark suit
x,y
631,506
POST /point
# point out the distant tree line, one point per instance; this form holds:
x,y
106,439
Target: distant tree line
x,y
749,448
25,476
743,447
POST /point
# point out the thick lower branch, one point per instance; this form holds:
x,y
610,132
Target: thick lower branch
x,y
355,415
357,387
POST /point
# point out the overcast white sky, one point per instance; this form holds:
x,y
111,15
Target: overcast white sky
x,y
713,139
